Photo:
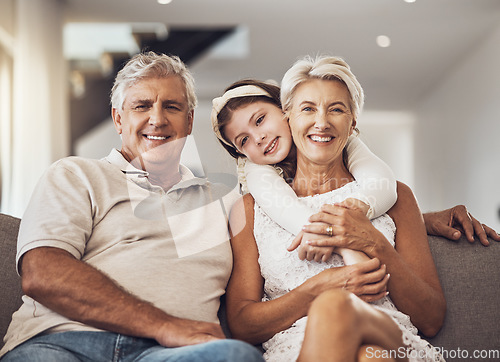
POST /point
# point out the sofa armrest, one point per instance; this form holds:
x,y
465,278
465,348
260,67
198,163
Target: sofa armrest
x,y
470,277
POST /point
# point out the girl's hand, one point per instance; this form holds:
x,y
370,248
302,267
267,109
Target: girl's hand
x,y
308,252
352,203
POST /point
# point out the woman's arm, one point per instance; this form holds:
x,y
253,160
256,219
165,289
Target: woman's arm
x,y
414,285
254,321
377,181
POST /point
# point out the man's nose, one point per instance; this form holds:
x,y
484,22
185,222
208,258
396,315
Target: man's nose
x,y
157,116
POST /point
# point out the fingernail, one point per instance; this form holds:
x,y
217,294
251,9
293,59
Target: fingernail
x,y
456,234
386,293
388,275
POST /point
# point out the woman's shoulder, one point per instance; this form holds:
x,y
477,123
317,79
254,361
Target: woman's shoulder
x,y
241,213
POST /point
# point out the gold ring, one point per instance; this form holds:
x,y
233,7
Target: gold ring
x,y
329,230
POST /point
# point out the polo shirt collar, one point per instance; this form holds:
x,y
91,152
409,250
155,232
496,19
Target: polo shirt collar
x,y
116,158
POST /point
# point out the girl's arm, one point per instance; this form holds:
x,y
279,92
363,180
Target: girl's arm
x,y
276,197
281,204
377,181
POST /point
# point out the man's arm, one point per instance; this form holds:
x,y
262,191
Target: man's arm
x,y
76,290
452,222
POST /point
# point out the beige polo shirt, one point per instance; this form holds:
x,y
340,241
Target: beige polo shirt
x,y
169,248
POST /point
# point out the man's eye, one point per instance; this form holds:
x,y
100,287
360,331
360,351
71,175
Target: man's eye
x,y
259,120
173,108
140,107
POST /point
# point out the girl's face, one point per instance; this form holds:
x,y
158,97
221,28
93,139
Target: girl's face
x,y
321,121
260,131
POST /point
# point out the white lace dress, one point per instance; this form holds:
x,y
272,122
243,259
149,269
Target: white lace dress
x,y
284,271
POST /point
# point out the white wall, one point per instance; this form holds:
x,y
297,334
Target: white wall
x,y
457,136
39,123
390,136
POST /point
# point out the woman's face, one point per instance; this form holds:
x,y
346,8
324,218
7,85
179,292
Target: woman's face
x,y
260,131
321,121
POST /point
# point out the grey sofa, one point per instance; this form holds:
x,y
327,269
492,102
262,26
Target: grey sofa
x,y
469,273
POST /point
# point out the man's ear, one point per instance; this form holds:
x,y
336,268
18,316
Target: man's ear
x,y
117,120
190,120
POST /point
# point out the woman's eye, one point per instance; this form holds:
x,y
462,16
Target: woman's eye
x,y
338,110
259,120
306,109
244,140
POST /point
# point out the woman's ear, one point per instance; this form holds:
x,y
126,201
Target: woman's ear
x,y
353,126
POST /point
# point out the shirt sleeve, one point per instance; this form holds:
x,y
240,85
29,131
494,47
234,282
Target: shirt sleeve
x,y
276,197
59,213
376,179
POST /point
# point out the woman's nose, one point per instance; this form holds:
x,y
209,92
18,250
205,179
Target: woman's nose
x,y
321,121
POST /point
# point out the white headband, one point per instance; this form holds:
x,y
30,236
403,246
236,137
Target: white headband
x,y
219,103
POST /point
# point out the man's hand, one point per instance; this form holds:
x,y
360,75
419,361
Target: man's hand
x,y
184,332
452,223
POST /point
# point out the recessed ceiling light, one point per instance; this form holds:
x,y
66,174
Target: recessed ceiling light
x,y
383,41
410,1
164,2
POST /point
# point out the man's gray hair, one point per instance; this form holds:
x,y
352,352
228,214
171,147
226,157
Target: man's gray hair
x,y
326,68
151,65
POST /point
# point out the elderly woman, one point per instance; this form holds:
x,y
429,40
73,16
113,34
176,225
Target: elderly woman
x,y
319,311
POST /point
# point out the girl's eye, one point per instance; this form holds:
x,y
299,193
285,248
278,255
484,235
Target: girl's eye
x,y
259,120
244,140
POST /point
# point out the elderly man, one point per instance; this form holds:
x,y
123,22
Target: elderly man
x,y
126,258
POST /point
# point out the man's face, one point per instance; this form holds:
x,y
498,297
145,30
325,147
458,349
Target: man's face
x,y
154,122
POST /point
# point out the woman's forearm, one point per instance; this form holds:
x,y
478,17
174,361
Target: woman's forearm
x,y
255,322
411,294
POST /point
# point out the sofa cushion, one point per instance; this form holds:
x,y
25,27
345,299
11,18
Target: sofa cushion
x,y
10,282
470,277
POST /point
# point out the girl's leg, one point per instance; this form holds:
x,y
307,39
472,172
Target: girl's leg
x,y
341,327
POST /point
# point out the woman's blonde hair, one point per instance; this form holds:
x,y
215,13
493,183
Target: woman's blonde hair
x,y
326,68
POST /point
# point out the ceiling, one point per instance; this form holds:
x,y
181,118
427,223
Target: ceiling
x,y
428,37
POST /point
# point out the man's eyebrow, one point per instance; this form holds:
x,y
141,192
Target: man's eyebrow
x,y
141,101
174,102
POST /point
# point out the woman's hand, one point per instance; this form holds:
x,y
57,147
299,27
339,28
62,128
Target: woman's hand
x,y
351,229
368,280
452,223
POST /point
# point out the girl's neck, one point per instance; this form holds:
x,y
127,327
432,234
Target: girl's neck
x,y
311,179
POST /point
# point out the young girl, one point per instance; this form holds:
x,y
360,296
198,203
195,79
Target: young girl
x,y
249,122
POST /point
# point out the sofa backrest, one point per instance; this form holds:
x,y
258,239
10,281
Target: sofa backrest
x,y
10,282
470,278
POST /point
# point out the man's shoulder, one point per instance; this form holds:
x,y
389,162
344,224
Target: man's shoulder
x,y
80,163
